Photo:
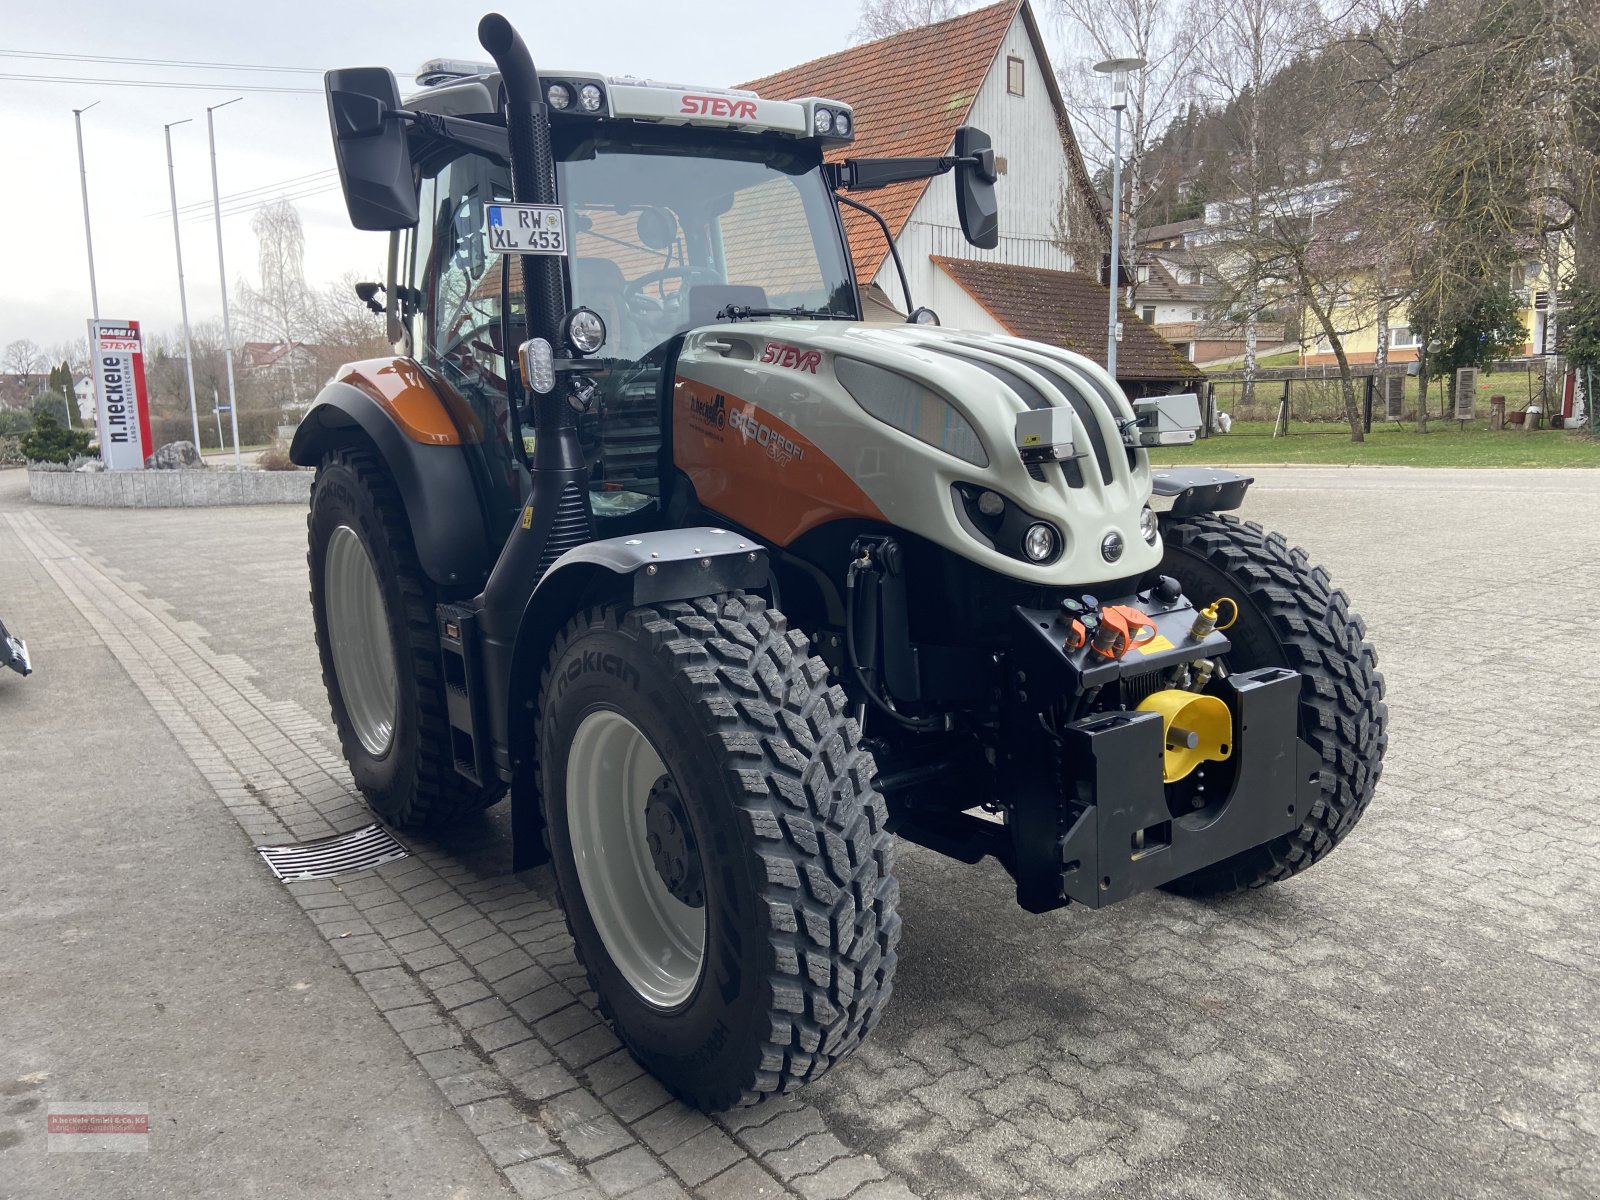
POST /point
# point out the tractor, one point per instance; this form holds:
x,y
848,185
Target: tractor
x,y
727,589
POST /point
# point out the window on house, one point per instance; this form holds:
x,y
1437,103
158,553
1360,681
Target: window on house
x,y
1195,276
1148,314
1401,338
1014,76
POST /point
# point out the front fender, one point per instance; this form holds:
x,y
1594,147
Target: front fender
x,y
646,568
391,404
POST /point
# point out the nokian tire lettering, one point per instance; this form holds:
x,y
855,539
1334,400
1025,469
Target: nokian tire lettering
x,y
800,893
414,783
1291,616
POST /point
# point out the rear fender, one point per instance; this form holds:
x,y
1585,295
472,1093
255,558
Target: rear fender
x,y
647,568
424,442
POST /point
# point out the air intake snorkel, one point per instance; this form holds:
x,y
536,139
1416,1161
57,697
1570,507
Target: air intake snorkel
x,y
558,502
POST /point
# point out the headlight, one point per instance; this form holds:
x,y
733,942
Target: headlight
x,y
1040,542
583,330
841,124
558,95
1149,526
823,121
590,98
922,316
991,505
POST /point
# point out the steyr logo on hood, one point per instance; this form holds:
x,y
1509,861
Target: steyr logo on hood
x,y
718,106
784,355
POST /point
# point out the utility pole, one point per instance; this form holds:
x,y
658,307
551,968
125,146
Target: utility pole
x,y
183,295
1118,69
83,178
217,413
222,272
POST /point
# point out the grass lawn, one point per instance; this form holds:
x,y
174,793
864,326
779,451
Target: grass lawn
x,y
1330,445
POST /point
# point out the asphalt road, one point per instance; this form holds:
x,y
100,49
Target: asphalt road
x,y
1416,1017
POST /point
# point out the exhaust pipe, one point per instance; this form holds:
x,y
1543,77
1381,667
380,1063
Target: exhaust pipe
x,y
558,514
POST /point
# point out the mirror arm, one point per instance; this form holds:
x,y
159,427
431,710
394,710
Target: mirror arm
x,y
888,237
489,140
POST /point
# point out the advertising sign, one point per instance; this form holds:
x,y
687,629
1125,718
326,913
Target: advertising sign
x,y
123,403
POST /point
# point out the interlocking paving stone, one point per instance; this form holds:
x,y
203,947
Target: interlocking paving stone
x,y
708,1153
623,1172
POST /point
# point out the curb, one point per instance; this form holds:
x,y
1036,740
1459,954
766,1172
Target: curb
x,y
168,489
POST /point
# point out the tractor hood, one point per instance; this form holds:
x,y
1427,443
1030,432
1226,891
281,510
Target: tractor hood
x,y
786,425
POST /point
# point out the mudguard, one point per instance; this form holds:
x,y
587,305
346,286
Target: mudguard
x,y
1199,489
392,405
646,568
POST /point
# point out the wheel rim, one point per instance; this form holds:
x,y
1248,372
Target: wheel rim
x,y
358,629
655,940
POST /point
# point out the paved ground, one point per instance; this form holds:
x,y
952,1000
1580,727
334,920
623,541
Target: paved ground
x,y
1416,1017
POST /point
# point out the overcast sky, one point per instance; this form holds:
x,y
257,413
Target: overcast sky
x,y
271,137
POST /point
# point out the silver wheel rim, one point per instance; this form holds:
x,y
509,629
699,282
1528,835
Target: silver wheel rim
x,y
655,940
358,630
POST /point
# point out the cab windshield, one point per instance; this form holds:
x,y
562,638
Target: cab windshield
x,y
668,235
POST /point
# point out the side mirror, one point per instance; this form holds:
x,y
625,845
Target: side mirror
x,y
975,177
380,191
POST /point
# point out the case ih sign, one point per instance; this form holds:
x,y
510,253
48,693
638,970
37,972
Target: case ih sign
x,y
123,403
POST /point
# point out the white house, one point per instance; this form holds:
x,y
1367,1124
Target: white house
x,y
911,92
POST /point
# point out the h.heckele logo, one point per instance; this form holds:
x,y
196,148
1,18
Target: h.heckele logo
x,y
779,448
782,354
711,412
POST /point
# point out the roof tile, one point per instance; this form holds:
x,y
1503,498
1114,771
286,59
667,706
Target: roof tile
x,y
1066,309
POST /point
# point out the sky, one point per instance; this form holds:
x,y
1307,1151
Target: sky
x,y
274,143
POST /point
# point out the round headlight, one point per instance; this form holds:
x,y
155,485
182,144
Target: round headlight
x,y
589,97
923,316
1039,543
841,124
823,121
558,96
991,505
1149,526
583,330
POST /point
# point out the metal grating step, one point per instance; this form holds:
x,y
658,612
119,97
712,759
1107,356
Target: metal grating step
x,y
358,850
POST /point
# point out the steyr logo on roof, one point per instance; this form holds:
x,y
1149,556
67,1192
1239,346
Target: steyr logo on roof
x,y
796,359
718,106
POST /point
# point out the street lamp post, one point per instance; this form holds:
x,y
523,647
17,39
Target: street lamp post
x,y
222,272
183,295
83,178
1118,69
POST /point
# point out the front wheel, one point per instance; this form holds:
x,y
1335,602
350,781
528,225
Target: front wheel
x,y
373,608
721,853
1289,616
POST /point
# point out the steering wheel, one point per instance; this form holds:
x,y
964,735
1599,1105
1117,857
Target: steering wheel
x,y
634,290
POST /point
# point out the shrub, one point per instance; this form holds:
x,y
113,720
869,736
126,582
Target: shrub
x,y
49,441
275,458
11,454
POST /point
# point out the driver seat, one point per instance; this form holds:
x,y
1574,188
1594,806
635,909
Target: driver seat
x,y
598,283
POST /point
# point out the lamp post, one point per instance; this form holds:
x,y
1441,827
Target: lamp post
x,y
183,294
83,177
222,272
1118,69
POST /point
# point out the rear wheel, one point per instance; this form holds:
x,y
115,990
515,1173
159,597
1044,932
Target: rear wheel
x,y
374,613
721,853
1289,616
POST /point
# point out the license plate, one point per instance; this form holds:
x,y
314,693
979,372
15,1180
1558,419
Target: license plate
x,y
525,228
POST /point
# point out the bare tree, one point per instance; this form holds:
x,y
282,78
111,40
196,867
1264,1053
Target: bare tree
x,y
1239,49
1154,30
884,18
282,308
24,358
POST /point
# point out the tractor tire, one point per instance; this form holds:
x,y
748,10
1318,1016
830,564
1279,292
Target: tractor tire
x,y
720,850
374,613
1289,616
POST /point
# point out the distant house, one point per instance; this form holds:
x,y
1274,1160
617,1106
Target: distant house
x,y
1180,298
293,369
910,92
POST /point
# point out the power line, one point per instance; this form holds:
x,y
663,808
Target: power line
x,y
197,64
157,83
262,202
295,181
